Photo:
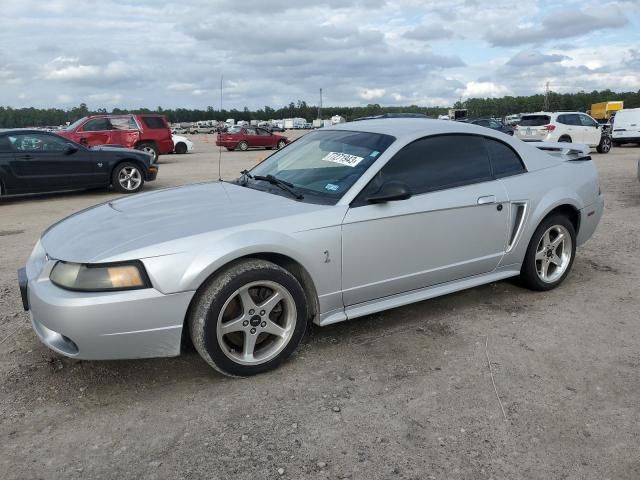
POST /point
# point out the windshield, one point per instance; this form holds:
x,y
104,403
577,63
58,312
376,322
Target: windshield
x,y
76,124
323,165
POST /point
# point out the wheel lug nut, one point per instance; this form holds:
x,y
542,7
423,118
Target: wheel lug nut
x,y
263,324
245,323
253,331
262,312
251,312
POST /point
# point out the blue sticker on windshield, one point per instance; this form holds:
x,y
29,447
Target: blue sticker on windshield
x,y
374,154
331,187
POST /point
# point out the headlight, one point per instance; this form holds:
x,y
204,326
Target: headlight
x,y
100,278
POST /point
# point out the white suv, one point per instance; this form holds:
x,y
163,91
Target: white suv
x,y
573,127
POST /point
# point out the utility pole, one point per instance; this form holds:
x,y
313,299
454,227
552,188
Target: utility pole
x,y
545,107
320,106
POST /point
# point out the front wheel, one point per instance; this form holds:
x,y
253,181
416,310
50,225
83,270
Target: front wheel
x,y
550,254
181,148
127,178
281,144
249,318
604,146
243,146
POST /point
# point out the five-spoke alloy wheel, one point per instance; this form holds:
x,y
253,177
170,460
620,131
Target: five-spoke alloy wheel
x,y
127,178
248,318
550,254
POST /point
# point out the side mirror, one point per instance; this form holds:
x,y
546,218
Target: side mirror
x,y
70,150
389,192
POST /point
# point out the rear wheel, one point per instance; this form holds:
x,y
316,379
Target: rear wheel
x,y
181,148
248,318
550,254
149,148
605,145
127,177
243,146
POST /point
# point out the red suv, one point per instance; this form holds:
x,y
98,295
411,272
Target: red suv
x,y
149,133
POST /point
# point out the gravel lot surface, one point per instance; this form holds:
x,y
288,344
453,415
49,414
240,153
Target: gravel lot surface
x,y
406,393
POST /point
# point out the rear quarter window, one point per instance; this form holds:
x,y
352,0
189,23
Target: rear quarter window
x,y
535,120
504,160
154,122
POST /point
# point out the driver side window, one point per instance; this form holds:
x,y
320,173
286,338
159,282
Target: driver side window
x,y
434,163
38,143
97,125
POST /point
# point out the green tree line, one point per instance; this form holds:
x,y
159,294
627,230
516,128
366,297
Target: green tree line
x,y
478,107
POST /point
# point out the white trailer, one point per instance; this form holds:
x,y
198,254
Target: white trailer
x,y
337,119
318,123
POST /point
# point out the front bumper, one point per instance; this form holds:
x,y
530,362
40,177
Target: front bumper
x,y
152,173
105,325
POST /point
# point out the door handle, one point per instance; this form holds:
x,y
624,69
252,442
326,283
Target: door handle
x,y
486,200
25,157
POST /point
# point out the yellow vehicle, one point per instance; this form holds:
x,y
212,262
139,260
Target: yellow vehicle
x,y
603,111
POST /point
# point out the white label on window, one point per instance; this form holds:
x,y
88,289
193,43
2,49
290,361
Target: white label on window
x,y
343,159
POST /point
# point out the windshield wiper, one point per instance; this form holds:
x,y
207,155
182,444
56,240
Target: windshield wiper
x,y
282,184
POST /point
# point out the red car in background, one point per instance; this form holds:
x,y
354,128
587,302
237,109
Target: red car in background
x,y
244,138
149,133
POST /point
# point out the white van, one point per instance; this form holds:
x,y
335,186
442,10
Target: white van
x,y
626,126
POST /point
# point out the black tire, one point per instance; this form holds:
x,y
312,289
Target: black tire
x,y
127,167
565,138
206,310
181,148
244,146
605,145
150,148
529,272
281,144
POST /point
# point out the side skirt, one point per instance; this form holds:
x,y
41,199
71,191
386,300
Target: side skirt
x,y
401,299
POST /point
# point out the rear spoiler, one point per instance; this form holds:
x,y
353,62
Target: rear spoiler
x,y
569,152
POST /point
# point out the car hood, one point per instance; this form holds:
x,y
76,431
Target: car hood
x,y
109,231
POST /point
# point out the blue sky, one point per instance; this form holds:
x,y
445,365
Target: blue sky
x,y
119,53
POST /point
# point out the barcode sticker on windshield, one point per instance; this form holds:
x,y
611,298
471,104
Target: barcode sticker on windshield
x,y
343,159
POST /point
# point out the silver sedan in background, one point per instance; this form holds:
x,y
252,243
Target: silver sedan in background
x,y
344,222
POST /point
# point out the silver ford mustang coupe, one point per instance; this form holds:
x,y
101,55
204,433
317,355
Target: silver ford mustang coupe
x,y
344,222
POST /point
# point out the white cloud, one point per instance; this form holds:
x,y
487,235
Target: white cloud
x,y
372,93
484,89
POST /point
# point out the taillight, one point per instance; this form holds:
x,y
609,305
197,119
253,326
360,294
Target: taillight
x,y
549,128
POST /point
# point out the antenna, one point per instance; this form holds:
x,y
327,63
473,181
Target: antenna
x,y
217,134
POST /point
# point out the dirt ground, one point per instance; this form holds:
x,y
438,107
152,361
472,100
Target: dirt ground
x,y
402,394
